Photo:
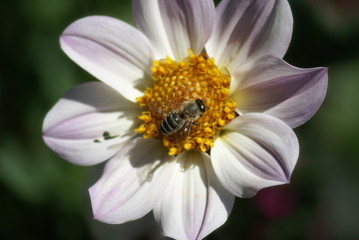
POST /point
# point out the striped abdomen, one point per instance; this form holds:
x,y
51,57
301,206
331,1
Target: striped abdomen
x,y
171,123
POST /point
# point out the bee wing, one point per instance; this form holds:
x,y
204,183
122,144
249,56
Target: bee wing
x,y
182,135
186,129
163,107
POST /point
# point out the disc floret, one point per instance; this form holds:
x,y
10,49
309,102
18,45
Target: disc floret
x,y
195,77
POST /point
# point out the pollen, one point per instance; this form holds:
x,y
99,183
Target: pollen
x,y
174,83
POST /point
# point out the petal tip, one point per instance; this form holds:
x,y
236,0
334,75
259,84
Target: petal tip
x,y
323,70
97,211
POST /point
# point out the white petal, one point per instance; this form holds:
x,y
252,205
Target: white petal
x,y
276,88
248,29
111,50
148,19
254,151
74,128
175,26
219,203
132,183
196,203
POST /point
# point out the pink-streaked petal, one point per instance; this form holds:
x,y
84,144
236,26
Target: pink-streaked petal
x,y
112,51
276,88
254,151
133,182
196,203
76,127
147,17
175,26
188,24
219,203
248,29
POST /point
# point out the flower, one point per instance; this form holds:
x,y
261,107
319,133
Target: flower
x,y
229,57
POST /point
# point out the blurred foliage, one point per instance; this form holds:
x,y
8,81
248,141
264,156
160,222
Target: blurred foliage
x,y
44,197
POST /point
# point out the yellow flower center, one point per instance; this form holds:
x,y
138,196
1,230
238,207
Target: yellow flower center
x,y
177,85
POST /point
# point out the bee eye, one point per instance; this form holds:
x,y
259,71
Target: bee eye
x,y
201,105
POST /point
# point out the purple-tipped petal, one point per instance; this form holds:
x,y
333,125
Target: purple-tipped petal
x,y
132,183
89,123
276,88
175,26
254,151
112,51
196,203
248,29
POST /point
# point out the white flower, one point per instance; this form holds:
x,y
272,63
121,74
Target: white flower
x,y
243,142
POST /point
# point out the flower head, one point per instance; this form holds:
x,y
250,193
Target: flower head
x,y
196,106
176,83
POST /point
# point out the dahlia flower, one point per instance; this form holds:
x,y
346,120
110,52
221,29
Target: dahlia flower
x,y
230,58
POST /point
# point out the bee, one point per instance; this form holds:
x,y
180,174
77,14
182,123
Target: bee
x,y
179,120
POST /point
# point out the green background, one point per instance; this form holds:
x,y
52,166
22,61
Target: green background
x,y
45,197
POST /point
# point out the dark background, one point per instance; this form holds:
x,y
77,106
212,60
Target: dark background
x,y
45,197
